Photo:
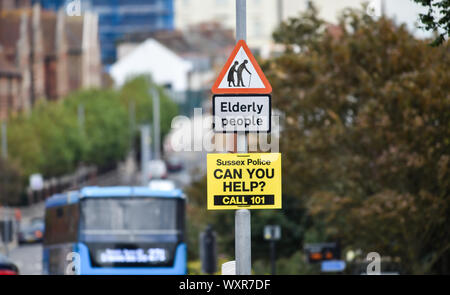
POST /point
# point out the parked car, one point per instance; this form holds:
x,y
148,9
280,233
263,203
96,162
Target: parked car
x,y
33,233
174,164
157,170
7,267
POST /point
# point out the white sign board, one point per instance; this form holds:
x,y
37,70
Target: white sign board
x,y
272,232
36,182
242,113
229,268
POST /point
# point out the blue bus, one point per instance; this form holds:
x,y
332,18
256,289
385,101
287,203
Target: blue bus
x,y
115,231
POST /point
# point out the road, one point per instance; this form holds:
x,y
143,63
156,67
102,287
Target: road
x,y
28,259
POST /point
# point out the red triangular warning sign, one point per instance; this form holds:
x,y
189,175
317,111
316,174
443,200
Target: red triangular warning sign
x,y
241,74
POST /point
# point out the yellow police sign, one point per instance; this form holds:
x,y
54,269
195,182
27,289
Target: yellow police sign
x,y
244,181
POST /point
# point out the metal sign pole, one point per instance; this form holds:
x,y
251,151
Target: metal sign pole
x,y
145,153
243,251
81,118
273,257
4,141
6,232
132,119
156,124
4,155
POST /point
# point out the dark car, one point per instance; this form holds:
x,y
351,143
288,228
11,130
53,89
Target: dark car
x,y
32,233
7,268
174,164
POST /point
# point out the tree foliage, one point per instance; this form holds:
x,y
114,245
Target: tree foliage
x,y
366,140
11,184
437,19
53,140
137,91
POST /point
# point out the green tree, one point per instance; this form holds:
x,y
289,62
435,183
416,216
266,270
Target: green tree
x,y
57,132
53,141
366,136
105,132
137,91
24,145
437,18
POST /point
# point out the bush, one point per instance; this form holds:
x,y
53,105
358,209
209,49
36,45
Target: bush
x,y
11,184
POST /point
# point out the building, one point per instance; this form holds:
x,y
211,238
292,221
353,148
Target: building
x,y
206,46
44,56
168,69
10,82
84,51
14,4
119,17
22,50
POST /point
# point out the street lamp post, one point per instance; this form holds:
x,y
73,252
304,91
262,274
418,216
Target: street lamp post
x,y
156,124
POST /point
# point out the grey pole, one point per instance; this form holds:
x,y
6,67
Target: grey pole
x,y
132,118
81,118
145,153
4,141
280,11
156,124
243,247
5,156
241,20
6,231
241,34
243,243
273,257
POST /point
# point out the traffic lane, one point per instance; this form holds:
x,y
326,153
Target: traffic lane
x,y
28,258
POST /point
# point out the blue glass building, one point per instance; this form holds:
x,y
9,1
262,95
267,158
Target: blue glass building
x,y
118,18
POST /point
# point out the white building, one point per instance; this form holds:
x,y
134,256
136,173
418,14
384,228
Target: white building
x,y
151,57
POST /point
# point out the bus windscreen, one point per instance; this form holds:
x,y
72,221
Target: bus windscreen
x,y
117,216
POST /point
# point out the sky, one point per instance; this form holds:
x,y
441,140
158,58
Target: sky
x,y
407,11
402,11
